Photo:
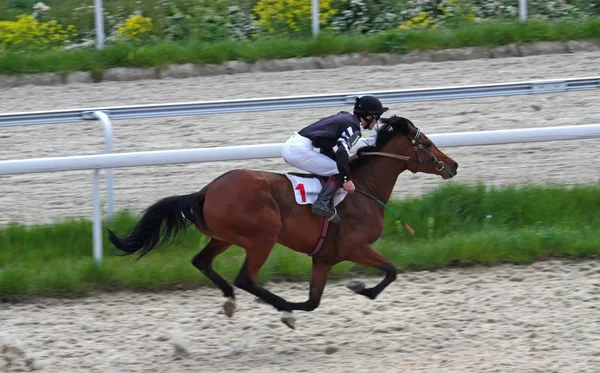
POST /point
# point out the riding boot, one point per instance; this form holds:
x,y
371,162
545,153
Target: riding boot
x,y
323,206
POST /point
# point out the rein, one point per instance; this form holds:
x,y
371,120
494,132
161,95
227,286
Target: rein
x,y
416,147
390,155
438,165
398,219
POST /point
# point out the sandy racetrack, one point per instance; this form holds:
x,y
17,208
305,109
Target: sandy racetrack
x,y
539,318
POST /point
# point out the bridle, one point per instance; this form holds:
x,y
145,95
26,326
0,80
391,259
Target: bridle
x,y
417,147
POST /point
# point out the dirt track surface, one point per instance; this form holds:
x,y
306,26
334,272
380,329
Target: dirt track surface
x,y
540,318
44,197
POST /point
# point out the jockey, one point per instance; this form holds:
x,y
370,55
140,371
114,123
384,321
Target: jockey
x,y
341,130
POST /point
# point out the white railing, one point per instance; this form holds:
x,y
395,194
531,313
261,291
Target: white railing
x,y
106,114
99,20
523,11
303,102
107,161
314,4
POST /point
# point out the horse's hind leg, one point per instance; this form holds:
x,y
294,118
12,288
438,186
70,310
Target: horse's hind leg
x,y
204,260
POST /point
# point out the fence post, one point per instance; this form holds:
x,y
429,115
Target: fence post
x,y
523,10
315,17
105,120
97,218
99,24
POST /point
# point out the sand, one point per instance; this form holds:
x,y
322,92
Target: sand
x,y
539,318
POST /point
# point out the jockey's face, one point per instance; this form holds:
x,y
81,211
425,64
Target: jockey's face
x,y
369,125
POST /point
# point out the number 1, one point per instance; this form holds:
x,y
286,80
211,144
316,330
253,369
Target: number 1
x,y
300,187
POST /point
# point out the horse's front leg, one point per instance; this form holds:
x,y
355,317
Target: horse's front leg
x,y
318,279
369,257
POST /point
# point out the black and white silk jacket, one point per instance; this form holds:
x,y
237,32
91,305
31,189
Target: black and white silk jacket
x,y
342,130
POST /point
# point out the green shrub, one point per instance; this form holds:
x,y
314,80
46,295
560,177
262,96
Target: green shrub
x,y
211,21
365,16
136,28
207,21
291,16
438,13
26,33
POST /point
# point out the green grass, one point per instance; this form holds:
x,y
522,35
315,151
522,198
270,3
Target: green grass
x,y
489,34
456,225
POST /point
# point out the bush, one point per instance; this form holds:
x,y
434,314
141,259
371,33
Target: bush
x,y
136,28
544,9
240,23
553,9
452,13
365,16
201,20
422,21
142,21
291,16
438,13
27,34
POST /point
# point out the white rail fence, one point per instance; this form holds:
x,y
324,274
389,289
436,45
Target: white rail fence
x,y
303,102
136,159
106,114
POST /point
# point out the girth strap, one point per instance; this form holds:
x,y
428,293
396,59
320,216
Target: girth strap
x,y
325,229
321,239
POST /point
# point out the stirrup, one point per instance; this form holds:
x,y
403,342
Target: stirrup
x,y
332,217
335,218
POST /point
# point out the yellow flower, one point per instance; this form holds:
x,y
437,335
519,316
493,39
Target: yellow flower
x,y
423,20
27,33
136,28
290,15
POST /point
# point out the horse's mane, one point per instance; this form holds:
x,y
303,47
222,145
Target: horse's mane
x,y
391,127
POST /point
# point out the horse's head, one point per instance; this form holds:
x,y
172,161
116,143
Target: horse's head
x,y
400,138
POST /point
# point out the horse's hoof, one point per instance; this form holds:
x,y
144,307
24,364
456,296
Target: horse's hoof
x,y
356,286
288,319
229,307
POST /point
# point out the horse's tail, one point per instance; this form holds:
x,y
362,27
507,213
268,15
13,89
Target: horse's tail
x,y
161,224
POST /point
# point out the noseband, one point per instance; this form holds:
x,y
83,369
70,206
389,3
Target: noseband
x,y
417,146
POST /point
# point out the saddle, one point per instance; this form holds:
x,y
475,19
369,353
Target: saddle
x,y
306,188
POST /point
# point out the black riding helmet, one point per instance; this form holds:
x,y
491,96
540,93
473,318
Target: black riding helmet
x,y
368,106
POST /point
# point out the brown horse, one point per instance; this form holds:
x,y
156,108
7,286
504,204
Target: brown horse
x,y
255,210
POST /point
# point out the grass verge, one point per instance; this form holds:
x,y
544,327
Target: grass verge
x,y
488,34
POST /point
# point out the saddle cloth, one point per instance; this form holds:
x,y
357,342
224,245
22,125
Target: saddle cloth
x,y
306,189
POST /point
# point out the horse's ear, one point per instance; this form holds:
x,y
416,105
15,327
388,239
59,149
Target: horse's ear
x,y
389,120
404,125
399,124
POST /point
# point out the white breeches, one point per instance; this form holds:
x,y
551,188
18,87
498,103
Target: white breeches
x,y
299,152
